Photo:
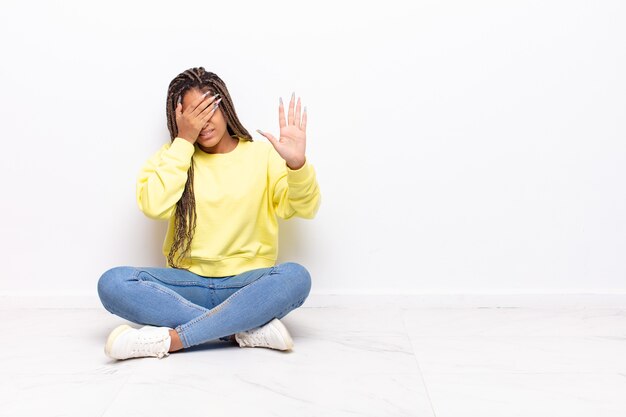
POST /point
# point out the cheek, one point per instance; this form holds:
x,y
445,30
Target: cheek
x,y
219,119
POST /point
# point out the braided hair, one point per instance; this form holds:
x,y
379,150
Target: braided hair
x,y
185,214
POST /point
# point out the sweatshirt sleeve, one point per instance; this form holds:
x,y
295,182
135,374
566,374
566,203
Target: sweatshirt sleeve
x,y
294,192
161,180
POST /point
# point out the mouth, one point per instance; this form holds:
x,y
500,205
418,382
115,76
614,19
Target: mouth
x,y
207,133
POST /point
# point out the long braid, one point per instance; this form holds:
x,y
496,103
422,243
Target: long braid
x,y
185,215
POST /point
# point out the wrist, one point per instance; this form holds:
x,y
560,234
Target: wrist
x,y
186,137
296,165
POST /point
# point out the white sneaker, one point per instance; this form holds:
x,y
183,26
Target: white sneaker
x,y
126,342
272,335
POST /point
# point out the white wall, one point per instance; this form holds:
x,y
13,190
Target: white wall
x,y
460,146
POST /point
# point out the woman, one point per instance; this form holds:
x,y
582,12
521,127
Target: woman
x,y
222,193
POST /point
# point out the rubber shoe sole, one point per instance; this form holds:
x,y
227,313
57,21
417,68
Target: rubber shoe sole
x,y
108,347
126,342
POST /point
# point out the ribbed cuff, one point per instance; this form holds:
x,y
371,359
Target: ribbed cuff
x,y
302,175
182,149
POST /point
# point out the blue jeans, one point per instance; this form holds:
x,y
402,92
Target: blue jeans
x,y
202,308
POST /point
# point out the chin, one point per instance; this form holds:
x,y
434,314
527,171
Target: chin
x,y
209,141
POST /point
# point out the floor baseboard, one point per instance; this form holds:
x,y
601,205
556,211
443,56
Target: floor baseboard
x,y
77,300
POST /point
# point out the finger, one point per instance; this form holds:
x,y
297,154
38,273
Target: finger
x,y
205,105
298,113
210,108
204,101
206,115
281,114
304,120
290,113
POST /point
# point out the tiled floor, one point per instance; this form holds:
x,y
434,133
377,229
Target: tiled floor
x,y
346,362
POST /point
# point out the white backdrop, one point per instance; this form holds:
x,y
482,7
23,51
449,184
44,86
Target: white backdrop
x,y
463,147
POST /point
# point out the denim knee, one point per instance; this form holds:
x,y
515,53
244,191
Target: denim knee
x,y
110,284
299,279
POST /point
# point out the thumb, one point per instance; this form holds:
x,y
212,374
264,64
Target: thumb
x,y
269,137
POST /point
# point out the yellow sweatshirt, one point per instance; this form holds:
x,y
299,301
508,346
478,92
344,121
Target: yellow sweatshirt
x,y
238,196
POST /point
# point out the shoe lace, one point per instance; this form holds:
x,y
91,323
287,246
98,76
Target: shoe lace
x,y
148,344
255,338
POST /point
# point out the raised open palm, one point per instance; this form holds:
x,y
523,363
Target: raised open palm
x,y
291,145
